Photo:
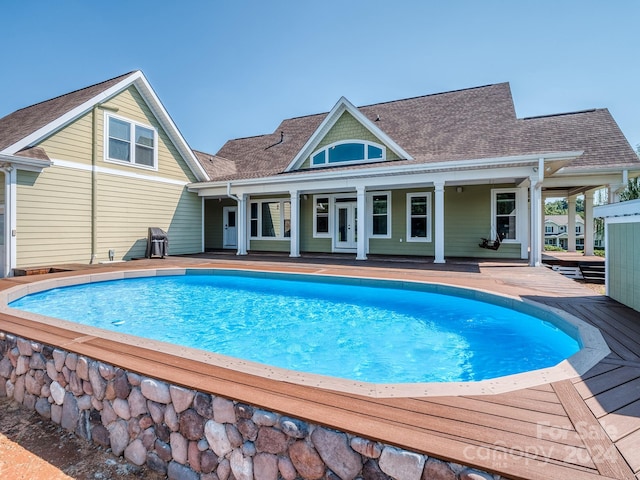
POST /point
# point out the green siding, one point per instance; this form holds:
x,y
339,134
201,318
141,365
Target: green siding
x,y
624,263
213,222
269,246
307,242
54,207
347,128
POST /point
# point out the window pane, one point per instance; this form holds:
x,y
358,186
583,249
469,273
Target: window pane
x,y
322,224
419,227
144,136
506,227
380,225
322,205
270,218
346,152
254,227
506,203
374,152
119,129
286,215
144,156
319,158
418,205
118,150
379,204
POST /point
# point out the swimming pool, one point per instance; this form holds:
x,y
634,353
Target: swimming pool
x,y
375,331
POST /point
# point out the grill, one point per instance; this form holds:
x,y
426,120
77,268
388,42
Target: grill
x,y
157,243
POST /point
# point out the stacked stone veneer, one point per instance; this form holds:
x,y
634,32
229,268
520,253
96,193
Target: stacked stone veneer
x,y
193,435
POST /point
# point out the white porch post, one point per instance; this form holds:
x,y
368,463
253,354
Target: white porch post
x,y
361,223
10,221
535,189
439,223
571,226
243,224
588,223
294,249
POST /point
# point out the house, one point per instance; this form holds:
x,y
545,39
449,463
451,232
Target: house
x,y
87,173
556,231
622,263
427,176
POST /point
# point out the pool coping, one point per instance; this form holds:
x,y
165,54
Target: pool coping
x,y
593,346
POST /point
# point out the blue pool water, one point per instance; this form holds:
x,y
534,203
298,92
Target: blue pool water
x,y
364,333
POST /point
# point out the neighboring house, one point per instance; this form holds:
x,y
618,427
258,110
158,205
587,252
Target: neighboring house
x,y
425,176
556,231
622,263
88,172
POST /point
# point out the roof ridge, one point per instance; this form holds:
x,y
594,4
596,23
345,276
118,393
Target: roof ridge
x,y
75,91
435,94
576,112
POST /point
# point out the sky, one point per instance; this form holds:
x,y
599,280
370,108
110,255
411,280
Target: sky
x,y
237,68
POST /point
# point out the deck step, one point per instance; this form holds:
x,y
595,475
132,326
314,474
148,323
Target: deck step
x,y
569,272
594,273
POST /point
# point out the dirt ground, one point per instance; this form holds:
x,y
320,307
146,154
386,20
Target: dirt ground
x,y
32,448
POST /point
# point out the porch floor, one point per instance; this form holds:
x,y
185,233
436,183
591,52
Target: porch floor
x,y
584,428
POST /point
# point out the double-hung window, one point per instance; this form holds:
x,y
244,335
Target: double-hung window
x,y
130,142
380,214
270,219
320,216
505,213
419,217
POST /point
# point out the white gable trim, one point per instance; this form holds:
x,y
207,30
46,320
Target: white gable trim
x,y
138,79
330,120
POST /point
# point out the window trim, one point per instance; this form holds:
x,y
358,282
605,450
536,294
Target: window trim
x,y
429,216
494,226
279,235
132,143
370,214
366,158
326,234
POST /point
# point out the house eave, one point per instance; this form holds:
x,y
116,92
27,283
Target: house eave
x,y
23,163
391,170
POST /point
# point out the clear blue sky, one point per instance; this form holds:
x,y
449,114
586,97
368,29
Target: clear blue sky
x,y
236,68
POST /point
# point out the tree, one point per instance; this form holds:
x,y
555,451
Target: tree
x,y
632,191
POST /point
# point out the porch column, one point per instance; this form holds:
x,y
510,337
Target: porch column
x,y
242,224
294,249
439,223
588,223
571,226
361,223
10,221
535,259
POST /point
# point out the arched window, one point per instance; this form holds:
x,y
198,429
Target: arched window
x,y
348,151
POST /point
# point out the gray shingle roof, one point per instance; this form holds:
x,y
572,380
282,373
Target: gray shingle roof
x,y
21,123
465,124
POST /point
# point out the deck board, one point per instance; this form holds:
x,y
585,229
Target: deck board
x,y
533,433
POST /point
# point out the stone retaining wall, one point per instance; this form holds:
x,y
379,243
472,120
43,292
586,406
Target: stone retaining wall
x,y
187,434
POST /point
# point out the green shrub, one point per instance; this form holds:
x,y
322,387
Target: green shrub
x,y
553,248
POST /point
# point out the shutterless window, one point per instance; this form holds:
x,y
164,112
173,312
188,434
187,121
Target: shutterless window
x,y
131,143
270,219
418,217
380,215
321,215
350,151
505,209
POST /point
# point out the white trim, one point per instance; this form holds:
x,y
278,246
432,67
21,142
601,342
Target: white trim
x,y
327,234
389,168
370,214
25,163
330,120
625,219
620,209
120,173
366,144
138,79
132,143
429,216
518,211
279,235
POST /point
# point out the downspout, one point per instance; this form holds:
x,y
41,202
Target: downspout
x,y
9,219
241,222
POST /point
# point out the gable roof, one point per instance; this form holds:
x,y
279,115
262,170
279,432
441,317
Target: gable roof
x,y
562,220
22,129
469,124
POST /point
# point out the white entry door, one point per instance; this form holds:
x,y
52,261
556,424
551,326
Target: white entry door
x,y
230,229
346,239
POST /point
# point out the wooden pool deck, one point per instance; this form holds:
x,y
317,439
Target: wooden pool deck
x,y
584,428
